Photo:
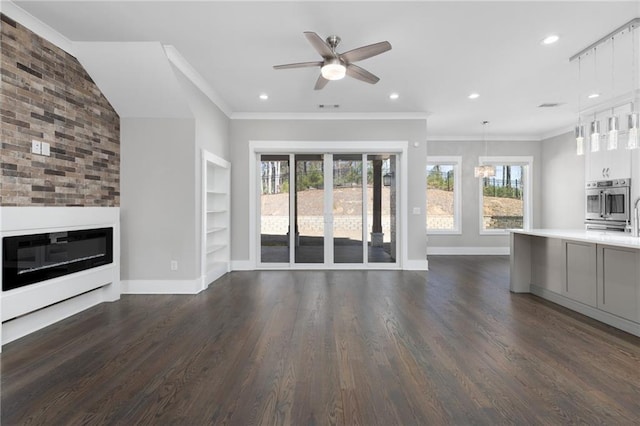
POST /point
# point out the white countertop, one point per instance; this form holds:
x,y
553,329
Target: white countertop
x,y
613,238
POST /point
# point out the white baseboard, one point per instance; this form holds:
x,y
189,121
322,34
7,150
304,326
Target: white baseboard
x,y
468,251
590,311
34,321
415,265
242,265
194,286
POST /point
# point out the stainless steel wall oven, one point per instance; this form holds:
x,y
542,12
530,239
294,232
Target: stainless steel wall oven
x,y
608,205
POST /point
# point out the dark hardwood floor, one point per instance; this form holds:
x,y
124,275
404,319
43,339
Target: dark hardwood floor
x,y
450,346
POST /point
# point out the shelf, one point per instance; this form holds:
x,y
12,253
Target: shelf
x,y
215,216
217,229
215,248
216,265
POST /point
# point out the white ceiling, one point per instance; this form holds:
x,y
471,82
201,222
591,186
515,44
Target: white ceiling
x,y
442,51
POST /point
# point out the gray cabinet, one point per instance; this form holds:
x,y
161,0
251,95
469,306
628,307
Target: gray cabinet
x,y
580,272
618,272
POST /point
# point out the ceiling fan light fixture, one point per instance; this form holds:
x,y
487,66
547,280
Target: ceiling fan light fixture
x,y
333,70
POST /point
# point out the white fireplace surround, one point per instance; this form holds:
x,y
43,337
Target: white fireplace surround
x,y
27,309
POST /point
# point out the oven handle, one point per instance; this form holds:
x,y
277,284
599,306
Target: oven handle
x,y
603,207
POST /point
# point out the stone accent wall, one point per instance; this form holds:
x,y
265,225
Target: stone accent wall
x,y
47,95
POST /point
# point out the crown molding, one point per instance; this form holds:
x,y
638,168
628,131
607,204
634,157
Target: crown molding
x,y
194,76
24,18
329,116
476,138
557,132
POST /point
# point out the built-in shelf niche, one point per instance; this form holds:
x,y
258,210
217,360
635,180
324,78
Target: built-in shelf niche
x,y
215,216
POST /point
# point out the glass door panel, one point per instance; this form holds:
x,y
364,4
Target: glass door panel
x,y
309,209
347,209
274,209
381,208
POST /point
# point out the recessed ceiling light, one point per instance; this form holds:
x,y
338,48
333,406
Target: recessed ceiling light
x,y
593,95
394,96
264,96
474,96
550,39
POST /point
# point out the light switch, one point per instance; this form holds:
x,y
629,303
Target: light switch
x,y
36,147
416,210
45,149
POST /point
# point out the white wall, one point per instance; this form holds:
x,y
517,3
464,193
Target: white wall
x,y
161,191
562,184
211,134
158,199
470,240
243,131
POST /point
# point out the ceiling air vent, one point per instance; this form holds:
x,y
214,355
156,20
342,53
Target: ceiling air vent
x,y
328,106
550,105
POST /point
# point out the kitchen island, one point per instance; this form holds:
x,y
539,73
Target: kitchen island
x,y
592,272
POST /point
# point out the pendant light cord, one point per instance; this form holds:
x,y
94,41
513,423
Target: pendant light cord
x,y
579,90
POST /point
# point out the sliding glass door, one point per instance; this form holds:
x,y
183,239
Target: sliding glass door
x,y
274,208
348,223
308,213
327,209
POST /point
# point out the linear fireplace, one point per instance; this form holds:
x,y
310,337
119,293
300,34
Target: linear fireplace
x,y
29,259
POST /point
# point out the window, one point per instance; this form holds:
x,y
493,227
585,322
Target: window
x,y
443,195
505,199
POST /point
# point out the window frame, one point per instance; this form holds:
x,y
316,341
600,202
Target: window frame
x,y
456,162
527,189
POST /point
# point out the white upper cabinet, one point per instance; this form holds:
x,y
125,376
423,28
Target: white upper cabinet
x,y
615,164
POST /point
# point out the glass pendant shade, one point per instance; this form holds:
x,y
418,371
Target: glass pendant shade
x,y
613,127
580,140
632,141
595,136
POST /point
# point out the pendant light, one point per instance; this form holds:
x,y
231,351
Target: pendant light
x,y
613,127
484,170
634,117
612,122
580,126
595,124
632,141
595,135
580,139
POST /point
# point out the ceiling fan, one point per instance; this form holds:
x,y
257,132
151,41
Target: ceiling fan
x,y
334,65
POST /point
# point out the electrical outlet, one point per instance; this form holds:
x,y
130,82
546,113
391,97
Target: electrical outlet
x,y
174,265
416,210
44,146
36,147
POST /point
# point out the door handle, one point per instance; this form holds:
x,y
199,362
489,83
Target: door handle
x,y
602,207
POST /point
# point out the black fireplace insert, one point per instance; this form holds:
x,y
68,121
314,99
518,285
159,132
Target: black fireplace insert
x,y
29,259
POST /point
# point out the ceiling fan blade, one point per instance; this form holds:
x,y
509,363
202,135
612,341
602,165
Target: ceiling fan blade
x,y
365,52
298,65
319,44
361,74
320,83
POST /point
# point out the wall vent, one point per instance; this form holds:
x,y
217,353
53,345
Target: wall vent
x,y
550,105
